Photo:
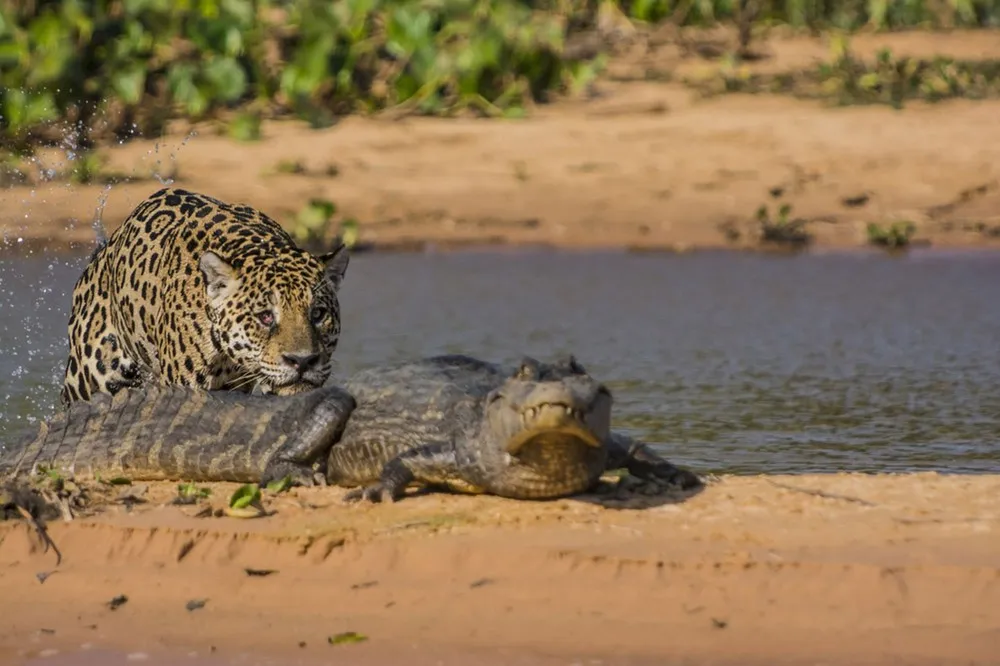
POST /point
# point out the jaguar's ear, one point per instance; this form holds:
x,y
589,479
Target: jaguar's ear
x,y
336,264
220,278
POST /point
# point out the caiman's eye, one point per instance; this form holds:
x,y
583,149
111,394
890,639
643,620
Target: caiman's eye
x,y
317,314
266,318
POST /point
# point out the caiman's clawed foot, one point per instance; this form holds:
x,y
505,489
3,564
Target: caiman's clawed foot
x,y
677,477
374,493
664,472
644,463
301,475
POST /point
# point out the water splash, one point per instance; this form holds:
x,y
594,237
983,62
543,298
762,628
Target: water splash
x,y
36,289
158,164
100,232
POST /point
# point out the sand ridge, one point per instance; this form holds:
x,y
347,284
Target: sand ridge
x,y
844,568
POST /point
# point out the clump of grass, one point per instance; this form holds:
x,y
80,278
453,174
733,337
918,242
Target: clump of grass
x,y
11,171
88,167
245,502
895,236
346,638
849,80
189,493
281,485
314,224
782,229
290,167
245,127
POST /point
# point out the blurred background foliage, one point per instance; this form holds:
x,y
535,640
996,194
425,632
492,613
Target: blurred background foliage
x,y
113,69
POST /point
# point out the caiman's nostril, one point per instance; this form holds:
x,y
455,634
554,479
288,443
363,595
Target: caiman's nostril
x,y
300,362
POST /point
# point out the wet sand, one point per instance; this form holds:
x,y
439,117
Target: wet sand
x,y
644,165
832,569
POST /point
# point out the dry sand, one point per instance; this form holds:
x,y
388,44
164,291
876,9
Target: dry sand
x,y
645,165
833,569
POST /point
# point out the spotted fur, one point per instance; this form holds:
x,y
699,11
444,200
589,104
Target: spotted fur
x,y
193,291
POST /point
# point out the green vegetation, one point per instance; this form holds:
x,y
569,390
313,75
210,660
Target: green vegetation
x,y
782,230
842,15
846,79
189,493
313,224
346,638
112,69
895,236
281,485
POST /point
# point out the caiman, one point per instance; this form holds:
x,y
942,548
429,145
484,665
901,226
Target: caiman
x,y
535,431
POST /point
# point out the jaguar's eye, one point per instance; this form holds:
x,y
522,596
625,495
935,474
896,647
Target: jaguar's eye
x,y
317,315
266,318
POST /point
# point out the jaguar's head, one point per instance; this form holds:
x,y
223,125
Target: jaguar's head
x,y
276,316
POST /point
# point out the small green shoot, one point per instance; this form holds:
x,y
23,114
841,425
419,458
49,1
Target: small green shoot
x,y
246,127
87,168
290,167
346,637
245,502
313,220
245,496
188,493
783,230
280,485
349,232
896,236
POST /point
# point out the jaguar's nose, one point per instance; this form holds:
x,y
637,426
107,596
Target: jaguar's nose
x,y
301,362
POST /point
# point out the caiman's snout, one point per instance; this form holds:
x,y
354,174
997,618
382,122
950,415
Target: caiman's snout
x,y
582,415
551,415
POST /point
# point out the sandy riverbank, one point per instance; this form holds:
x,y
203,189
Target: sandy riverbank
x,y
834,569
645,165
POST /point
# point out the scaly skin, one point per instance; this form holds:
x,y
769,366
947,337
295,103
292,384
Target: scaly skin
x,y
539,431
174,432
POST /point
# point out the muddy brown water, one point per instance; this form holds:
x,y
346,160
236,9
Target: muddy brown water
x,y
726,362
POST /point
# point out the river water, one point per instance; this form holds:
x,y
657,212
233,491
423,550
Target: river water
x,y
725,362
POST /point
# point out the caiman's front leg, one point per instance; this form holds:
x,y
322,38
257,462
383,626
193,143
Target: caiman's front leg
x,y
432,464
321,430
642,462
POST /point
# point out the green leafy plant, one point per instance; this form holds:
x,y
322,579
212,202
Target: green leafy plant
x,y
280,485
782,229
111,69
846,79
312,223
897,235
189,493
245,502
290,167
87,168
346,638
246,126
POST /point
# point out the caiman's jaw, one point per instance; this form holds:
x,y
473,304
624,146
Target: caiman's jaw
x,y
562,421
